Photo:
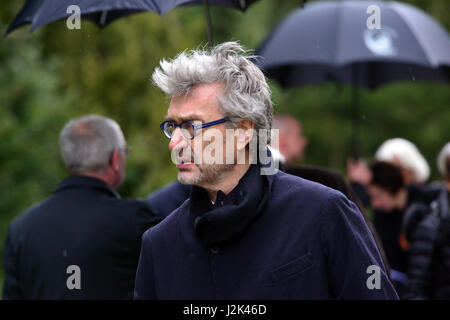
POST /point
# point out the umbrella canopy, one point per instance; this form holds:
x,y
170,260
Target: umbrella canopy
x,y
103,12
330,41
25,14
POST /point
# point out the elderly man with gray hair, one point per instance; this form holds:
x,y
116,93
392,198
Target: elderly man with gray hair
x,y
244,232
83,241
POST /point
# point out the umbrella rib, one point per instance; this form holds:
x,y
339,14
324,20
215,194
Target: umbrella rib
x,y
338,30
103,18
419,41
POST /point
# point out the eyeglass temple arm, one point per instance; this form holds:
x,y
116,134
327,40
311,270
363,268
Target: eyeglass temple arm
x,y
212,123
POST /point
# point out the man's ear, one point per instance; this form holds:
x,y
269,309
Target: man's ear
x,y
245,133
115,163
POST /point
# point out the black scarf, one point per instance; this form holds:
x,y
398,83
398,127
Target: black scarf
x,y
231,214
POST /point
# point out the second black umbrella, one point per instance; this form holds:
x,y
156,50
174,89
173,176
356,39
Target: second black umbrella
x,y
330,41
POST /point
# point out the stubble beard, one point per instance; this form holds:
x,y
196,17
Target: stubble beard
x,y
206,175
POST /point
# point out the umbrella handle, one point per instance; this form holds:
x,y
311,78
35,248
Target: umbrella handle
x,y
355,113
208,22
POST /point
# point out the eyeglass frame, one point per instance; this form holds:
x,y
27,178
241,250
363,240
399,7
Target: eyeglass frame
x,y
195,127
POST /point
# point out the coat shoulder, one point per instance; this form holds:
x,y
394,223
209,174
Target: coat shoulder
x,y
130,205
292,187
21,220
305,199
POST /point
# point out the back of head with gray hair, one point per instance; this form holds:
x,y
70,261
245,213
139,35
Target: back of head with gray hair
x,y
247,94
443,161
88,142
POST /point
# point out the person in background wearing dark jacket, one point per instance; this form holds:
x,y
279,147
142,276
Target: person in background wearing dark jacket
x,y
246,232
83,241
442,258
390,197
428,230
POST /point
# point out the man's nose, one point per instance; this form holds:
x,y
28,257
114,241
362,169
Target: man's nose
x,y
177,138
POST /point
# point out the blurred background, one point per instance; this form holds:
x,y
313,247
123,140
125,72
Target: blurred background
x,y
54,74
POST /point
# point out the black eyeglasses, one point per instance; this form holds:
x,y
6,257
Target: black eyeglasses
x,y
188,129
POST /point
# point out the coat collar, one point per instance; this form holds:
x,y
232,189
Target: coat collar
x,y
86,182
231,214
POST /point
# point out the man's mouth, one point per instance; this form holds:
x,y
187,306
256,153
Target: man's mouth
x,y
184,163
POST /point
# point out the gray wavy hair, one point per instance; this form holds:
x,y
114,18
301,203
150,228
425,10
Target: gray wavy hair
x,y
87,143
247,94
443,161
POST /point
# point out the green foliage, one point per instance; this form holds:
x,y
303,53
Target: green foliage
x,y
55,74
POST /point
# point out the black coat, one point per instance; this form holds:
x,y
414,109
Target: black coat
x,y
84,223
272,237
442,257
429,254
389,227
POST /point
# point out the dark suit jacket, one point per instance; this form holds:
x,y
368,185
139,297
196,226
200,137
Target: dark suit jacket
x,y
306,242
85,224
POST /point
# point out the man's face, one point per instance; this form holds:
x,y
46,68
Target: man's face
x,y
298,142
199,106
381,199
293,142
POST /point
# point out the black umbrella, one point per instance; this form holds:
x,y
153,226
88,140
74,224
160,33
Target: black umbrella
x,y
103,12
25,14
331,42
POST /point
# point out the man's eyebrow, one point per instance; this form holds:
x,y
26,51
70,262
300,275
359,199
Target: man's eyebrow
x,y
189,117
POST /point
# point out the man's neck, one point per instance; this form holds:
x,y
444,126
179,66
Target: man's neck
x,y
228,183
105,178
